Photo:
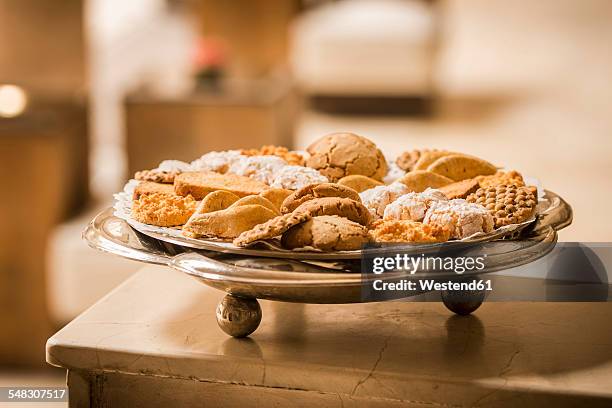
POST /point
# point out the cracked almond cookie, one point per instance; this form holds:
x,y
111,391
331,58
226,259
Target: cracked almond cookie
x,y
413,206
296,177
163,210
219,162
292,157
342,154
313,191
461,218
509,204
261,168
378,198
327,233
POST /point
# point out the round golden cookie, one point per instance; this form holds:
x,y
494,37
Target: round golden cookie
x,y
326,232
342,154
343,207
313,191
509,204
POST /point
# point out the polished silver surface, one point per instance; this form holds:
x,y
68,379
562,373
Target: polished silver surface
x,y
238,316
307,280
548,205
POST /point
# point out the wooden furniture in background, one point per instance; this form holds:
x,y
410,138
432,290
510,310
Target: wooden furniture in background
x,y
241,115
44,163
42,44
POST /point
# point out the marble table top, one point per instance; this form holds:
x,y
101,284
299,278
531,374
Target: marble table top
x,y
162,323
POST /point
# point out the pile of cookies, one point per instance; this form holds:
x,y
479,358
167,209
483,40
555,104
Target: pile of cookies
x,y
339,194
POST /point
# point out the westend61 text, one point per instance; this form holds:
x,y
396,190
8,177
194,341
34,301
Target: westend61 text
x,y
431,284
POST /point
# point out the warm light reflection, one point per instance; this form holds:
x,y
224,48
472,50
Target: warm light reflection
x,y
13,101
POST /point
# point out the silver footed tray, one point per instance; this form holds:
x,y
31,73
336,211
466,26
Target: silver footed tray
x,y
250,274
549,204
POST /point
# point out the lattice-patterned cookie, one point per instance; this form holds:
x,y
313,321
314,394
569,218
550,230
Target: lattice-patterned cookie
x,y
509,204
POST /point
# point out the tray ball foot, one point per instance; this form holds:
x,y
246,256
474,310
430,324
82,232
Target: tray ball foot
x,y
463,302
238,316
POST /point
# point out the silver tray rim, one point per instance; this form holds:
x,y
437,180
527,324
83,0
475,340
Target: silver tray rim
x,y
111,234
223,247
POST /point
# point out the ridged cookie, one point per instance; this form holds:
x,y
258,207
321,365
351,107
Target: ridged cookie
x,y
313,191
271,228
326,232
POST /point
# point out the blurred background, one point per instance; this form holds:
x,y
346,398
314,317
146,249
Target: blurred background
x,y
93,90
